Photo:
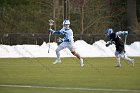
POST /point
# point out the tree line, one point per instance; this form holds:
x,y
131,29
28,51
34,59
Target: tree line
x,y
86,16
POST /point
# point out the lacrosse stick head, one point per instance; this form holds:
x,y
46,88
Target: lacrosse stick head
x,y
51,22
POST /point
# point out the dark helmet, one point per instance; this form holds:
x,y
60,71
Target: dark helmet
x,y
108,31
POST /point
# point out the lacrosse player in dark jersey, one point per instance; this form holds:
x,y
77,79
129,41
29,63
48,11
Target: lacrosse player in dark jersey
x,y
114,38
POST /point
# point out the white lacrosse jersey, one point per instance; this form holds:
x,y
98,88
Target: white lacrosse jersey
x,y
68,34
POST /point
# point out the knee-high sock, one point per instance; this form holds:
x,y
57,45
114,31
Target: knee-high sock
x,y
58,54
58,51
118,61
117,58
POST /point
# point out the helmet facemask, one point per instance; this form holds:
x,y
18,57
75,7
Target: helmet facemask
x,y
66,26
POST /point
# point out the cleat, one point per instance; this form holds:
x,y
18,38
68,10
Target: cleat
x,y
81,63
56,62
118,65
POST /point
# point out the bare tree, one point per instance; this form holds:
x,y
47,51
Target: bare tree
x,y
53,6
132,22
81,4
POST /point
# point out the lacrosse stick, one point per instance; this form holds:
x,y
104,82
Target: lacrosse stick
x,y
50,23
125,43
125,39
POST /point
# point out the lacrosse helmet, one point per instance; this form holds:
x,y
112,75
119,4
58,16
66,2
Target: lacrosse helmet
x,y
108,32
66,24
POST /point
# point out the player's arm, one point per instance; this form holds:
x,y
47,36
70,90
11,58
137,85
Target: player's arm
x,y
55,32
109,43
125,33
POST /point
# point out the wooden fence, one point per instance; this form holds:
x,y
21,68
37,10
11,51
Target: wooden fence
x,y
39,38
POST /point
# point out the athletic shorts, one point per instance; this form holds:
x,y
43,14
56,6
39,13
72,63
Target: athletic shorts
x,y
68,45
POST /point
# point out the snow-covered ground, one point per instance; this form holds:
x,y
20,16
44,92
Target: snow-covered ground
x,y
97,49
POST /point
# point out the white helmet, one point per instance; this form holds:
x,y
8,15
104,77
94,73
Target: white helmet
x,y
66,22
108,31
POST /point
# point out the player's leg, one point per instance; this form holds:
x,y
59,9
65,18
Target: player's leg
x,y
59,48
76,54
79,57
125,57
71,47
118,63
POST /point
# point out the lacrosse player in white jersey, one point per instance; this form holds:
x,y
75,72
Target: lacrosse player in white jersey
x,y
114,38
68,42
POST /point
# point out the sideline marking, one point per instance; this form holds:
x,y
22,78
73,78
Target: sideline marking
x,y
70,88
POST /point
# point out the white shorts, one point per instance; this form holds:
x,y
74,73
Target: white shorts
x,y
68,45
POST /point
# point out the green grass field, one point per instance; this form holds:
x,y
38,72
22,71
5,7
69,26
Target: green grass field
x,y
39,75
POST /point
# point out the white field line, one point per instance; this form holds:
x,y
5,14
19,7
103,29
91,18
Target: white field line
x,y
70,88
